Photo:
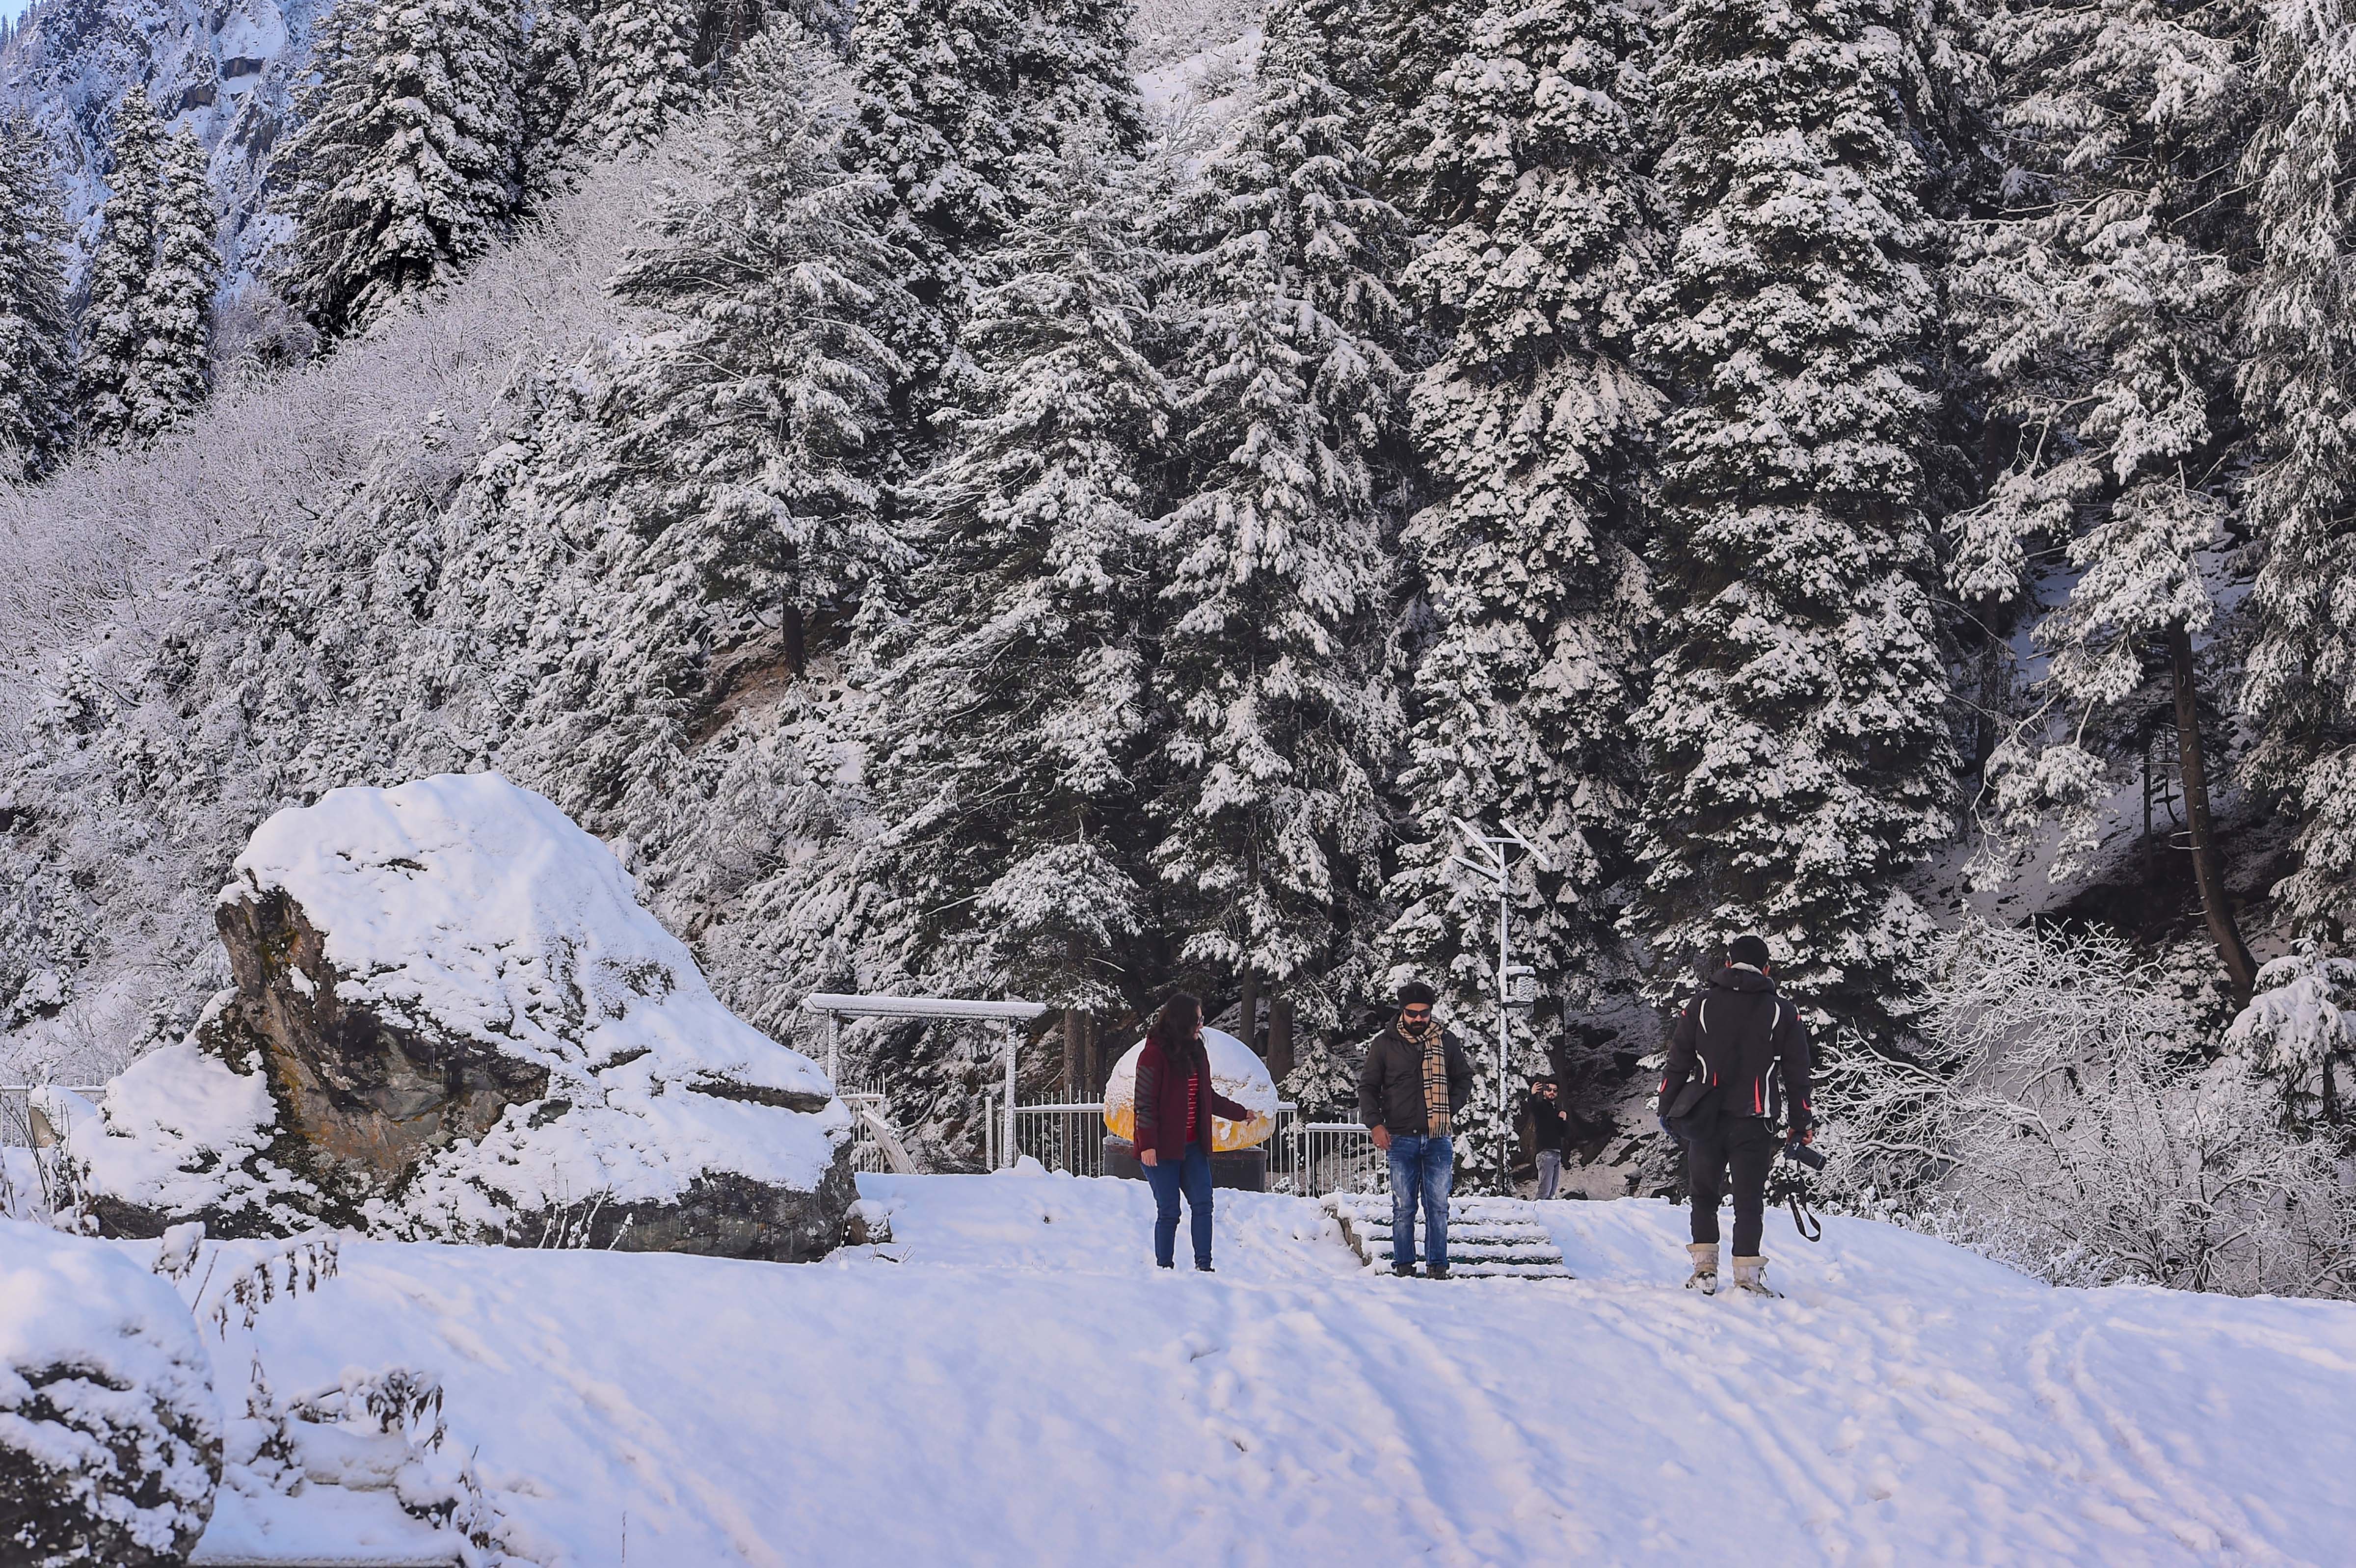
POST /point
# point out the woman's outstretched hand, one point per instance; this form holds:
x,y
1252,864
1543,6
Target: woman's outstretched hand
x,y
1148,1157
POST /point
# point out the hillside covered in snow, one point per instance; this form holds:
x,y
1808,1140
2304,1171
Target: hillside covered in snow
x,y
1006,1380
1074,501
224,72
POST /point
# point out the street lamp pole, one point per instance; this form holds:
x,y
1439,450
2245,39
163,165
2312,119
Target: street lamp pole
x,y
1516,984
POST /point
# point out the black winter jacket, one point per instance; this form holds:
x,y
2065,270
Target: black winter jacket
x,y
1390,1083
1550,1128
1749,1043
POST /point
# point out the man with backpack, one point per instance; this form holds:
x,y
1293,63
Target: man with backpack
x,y
1738,1062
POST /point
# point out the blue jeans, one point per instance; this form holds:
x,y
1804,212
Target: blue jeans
x,y
1420,1167
1191,1173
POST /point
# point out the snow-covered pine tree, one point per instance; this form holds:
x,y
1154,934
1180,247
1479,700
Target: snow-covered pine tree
x,y
1951,101
35,331
2105,312
2298,379
729,465
955,97
174,355
548,97
1324,1078
2300,1030
1015,721
1533,425
1271,660
404,165
1797,726
638,74
114,321
1387,54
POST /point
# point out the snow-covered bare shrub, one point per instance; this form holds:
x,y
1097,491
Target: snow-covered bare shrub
x,y
368,1432
110,1434
38,1178
1166,32
295,1268
2058,1114
195,634
257,335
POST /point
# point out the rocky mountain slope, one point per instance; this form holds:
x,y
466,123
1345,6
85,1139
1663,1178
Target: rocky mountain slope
x,y
223,69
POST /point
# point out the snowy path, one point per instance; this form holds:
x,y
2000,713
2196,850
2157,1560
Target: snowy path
x,y
1022,1390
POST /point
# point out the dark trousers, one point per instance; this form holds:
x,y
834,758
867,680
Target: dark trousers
x,y
1190,1173
1747,1145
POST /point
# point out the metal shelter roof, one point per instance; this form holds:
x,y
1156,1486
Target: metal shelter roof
x,y
844,1006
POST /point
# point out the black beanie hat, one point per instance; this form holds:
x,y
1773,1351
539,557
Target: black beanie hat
x,y
1751,950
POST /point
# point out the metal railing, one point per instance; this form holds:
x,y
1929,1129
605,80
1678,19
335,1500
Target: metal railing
x,y
16,1112
875,1146
1067,1135
1307,1159
1337,1157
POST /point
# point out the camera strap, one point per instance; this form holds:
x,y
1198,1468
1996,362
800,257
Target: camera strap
x,y
1803,1219
1790,1182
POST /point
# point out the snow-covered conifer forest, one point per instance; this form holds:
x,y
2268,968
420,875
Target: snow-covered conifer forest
x,y
1070,500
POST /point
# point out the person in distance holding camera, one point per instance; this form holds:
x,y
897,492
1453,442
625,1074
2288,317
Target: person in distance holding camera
x,y
1550,1131
1738,1056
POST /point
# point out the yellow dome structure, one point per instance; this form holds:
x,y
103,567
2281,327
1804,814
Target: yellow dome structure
x,y
1237,1072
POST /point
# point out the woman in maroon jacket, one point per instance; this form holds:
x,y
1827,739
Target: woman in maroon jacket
x,y
1175,1104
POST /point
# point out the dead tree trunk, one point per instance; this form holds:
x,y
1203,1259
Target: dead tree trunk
x,y
1280,1039
2207,866
1075,1052
1249,1027
791,644
2150,870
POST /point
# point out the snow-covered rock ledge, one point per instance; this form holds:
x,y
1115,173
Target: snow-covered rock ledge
x,y
453,1021
110,1433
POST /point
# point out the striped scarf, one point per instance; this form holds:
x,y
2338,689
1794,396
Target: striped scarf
x,y
1435,1077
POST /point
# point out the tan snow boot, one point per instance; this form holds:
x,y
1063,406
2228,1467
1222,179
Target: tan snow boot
x,y
1751,1275
1704,1275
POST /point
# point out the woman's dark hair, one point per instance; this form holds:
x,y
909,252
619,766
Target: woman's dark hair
x,y
1173,1030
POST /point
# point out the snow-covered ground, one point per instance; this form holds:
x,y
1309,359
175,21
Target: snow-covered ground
x,y
1006,1381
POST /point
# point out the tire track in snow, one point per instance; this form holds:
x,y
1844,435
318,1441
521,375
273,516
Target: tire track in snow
x,y
658,1457
1812,1489
1505,1441
2216,1524
2142,1501
1396,1437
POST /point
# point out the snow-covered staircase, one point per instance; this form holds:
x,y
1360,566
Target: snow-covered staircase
x,y
1487,1237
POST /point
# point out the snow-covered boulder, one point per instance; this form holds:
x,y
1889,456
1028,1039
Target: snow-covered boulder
x,y
452,1019
109,1433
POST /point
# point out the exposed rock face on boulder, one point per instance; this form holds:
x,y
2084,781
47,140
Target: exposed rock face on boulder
x,y
109,1433
452,1020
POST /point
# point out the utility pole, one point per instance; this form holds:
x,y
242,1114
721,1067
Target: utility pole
x,y
1517,986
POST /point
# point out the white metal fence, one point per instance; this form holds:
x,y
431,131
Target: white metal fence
x,y
1305,1159
1067,1135
875,1146
16,1112
1337,1157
